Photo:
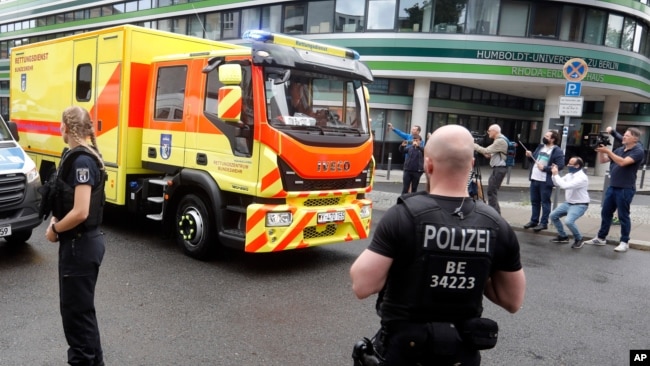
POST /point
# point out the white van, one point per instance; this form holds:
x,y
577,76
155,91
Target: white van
x,y
19,183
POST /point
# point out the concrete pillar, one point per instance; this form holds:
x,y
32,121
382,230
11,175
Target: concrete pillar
x,y
421,104
552,108
610,117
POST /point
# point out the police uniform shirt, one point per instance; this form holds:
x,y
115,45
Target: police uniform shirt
x,y
84,170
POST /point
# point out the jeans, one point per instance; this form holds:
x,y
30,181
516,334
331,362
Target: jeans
x,y
616,199
494,183
540,197
572,213
411,179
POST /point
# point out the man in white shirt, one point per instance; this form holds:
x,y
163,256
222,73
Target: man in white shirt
x,y
575,185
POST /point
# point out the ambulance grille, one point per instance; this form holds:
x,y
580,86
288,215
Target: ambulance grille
x,y
320,202
12,188
310,232
291,181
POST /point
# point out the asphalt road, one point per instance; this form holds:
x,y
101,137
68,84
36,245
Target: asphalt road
x,y
158,307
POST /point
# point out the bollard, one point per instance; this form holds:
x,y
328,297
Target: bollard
x,y
390,159
508,175
642,177
605,186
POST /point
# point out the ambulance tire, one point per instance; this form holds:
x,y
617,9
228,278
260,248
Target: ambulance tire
x,y
193,229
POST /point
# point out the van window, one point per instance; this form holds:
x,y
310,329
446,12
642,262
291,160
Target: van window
x,y
84,82
170,93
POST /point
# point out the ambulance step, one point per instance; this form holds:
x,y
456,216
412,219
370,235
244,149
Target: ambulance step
x,y
234,233
155,217
160,182
238,209
156,199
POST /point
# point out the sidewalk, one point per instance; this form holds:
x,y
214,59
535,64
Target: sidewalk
x,y
517,213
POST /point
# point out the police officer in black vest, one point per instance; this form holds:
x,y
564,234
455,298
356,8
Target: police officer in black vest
x,y
76,216
432,258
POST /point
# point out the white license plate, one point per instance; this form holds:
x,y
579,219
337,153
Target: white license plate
x,y
324,217
5,230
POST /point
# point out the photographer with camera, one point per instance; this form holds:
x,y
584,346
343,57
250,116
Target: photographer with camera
x,y
541,181
497,153
413,260
624,164
413,163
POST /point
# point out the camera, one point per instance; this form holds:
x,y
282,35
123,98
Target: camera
x,y
596,139
479,138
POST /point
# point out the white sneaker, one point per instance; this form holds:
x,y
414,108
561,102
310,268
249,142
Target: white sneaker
x,y
595,241
623,247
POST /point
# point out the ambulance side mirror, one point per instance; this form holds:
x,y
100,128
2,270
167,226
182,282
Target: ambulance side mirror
x,y
230,95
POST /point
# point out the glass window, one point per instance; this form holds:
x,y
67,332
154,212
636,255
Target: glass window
x,y
448,16
250,19
640,38
349,16
482,16
165,25
514,18
196,25
18,26
272,18
107,10
381,14
180,25
95,12
230,24
320,15
144,4
595,27
544,22
572,23
614,31
84,83
170,98
164,2
118,8
213,26
294,19
466,94
455,92
442,91
627,37
378,86
400,87
410,16
131,6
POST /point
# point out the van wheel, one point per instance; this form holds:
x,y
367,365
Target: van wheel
x,y
19,237
195,231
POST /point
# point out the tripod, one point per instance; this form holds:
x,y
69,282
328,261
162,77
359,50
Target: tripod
x,y
474,183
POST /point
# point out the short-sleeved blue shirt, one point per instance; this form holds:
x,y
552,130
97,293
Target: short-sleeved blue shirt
x,y
625,176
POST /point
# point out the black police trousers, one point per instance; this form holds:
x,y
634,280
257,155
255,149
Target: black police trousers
x,y
80,256
420,344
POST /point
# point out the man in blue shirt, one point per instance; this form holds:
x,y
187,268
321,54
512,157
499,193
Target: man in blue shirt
x,y
624,164
415,130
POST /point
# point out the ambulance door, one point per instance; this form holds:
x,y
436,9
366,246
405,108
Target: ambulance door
x,y
84,61
107,110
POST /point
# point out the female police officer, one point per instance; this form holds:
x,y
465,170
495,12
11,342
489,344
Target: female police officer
x,y
76,215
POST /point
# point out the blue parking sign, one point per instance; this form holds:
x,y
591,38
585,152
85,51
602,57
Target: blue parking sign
x,y
572,89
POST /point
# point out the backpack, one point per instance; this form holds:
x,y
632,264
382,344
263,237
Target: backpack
x,y
511,152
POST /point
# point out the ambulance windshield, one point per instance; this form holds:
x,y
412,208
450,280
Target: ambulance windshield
x,y
315,102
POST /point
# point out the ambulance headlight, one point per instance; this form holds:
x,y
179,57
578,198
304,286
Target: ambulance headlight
x,y
32,175
365,211
279,219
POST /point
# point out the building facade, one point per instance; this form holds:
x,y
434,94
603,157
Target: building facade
x,y
435,62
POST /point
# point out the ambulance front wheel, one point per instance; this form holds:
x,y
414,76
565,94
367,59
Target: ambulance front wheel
x,y
194,233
